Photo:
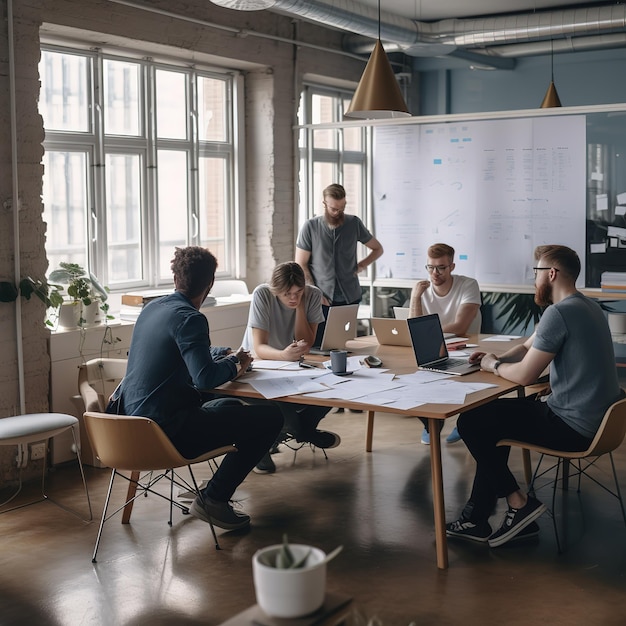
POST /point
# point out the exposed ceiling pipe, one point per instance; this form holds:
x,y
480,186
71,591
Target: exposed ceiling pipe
x,y
458,33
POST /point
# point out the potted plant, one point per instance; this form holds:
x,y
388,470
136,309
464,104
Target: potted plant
x,y
84,295
290,580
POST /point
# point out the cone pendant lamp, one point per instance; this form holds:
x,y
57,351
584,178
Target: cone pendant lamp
x,y
551,99
378,94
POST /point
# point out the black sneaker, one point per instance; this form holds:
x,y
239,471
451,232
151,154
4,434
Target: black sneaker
x,y
221,514
324,439
265,465
464,529
532,530
516,520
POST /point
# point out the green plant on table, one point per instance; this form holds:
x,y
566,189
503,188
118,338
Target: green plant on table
x,y
285,559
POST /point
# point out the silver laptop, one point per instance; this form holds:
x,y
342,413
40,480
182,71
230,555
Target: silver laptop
x,y
390,331
429,346
340,327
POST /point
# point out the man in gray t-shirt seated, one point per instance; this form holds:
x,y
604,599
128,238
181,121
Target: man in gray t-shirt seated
x,y
282,323
574,340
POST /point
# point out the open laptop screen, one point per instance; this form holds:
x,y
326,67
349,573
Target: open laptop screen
x,y
427,339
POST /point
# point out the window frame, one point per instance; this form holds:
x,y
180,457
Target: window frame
x,y
147,145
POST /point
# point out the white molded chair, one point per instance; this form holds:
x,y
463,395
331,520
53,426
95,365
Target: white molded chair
x,y
22,430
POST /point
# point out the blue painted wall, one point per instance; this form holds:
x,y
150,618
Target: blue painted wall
x,y
581,78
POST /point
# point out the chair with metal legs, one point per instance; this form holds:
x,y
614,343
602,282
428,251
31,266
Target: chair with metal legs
x,y
137,444
22,430
609,436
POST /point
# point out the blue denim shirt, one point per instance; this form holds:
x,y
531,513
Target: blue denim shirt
x,y
170,361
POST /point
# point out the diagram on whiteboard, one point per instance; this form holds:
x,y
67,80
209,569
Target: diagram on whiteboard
x,y
493,190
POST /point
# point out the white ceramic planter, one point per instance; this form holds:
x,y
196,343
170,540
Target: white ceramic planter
x,y
90,314
290,592
69,314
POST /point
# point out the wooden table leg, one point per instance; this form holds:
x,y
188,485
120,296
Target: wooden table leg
x,y
441,542
132,490
370,431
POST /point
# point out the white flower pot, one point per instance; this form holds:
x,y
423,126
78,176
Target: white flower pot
x,y
290,592
90,313
69,314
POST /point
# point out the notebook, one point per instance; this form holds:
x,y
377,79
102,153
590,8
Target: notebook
x,y
429,346
340,327
390,331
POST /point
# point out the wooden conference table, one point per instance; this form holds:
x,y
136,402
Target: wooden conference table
x,y
400,360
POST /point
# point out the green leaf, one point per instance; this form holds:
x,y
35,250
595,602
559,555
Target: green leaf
x,y
8,292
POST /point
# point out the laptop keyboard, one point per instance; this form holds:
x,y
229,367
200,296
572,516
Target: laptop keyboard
x,y
452,363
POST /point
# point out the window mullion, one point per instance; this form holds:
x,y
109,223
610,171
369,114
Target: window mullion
x,y
96,213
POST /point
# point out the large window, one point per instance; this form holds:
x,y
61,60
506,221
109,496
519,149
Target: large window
x,y
140,157
331,155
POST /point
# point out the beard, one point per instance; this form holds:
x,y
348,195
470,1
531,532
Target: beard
x,y
543,295
334,221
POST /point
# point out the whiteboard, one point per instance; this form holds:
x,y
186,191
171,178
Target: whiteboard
x,y
493,190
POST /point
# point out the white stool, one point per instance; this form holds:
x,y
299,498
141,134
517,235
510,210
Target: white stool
x,y
25,429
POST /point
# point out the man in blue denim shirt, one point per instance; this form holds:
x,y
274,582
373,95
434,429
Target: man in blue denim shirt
x,y
171,362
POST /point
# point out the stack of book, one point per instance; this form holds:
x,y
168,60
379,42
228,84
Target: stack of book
x,y
613,282
133,302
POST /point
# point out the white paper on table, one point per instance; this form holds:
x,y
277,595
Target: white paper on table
x,y
267,364
477,386
352,389
421,377
502,338
459,353
254,375
285,386
455,340
438,392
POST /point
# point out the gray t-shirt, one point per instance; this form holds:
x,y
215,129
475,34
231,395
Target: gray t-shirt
x,y
583,377
333,262
268,313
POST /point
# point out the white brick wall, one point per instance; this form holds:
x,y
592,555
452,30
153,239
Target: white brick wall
x,y
270,114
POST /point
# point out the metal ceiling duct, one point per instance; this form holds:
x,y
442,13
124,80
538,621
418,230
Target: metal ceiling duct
x,y
447,35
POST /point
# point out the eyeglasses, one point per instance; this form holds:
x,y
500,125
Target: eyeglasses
x,y
342,207
536,269
439,269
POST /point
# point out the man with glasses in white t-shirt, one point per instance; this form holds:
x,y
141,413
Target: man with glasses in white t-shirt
x,y
455,298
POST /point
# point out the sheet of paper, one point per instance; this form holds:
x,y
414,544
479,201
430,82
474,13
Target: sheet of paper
x,y
421,377
620,209
502,338
266,364
597,248
285,386
352,389
621,198
602,202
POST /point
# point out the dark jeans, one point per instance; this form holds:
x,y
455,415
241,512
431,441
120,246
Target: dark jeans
x,y
322,325
522,419
227,421
300,420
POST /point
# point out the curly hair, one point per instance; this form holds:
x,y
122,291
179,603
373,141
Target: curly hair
x,y
285,276
194,270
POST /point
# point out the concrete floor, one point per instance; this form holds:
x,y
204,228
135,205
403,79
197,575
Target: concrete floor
x,y
378,506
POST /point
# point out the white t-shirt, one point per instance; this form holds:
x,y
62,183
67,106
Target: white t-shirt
x,y
464,291
268,313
